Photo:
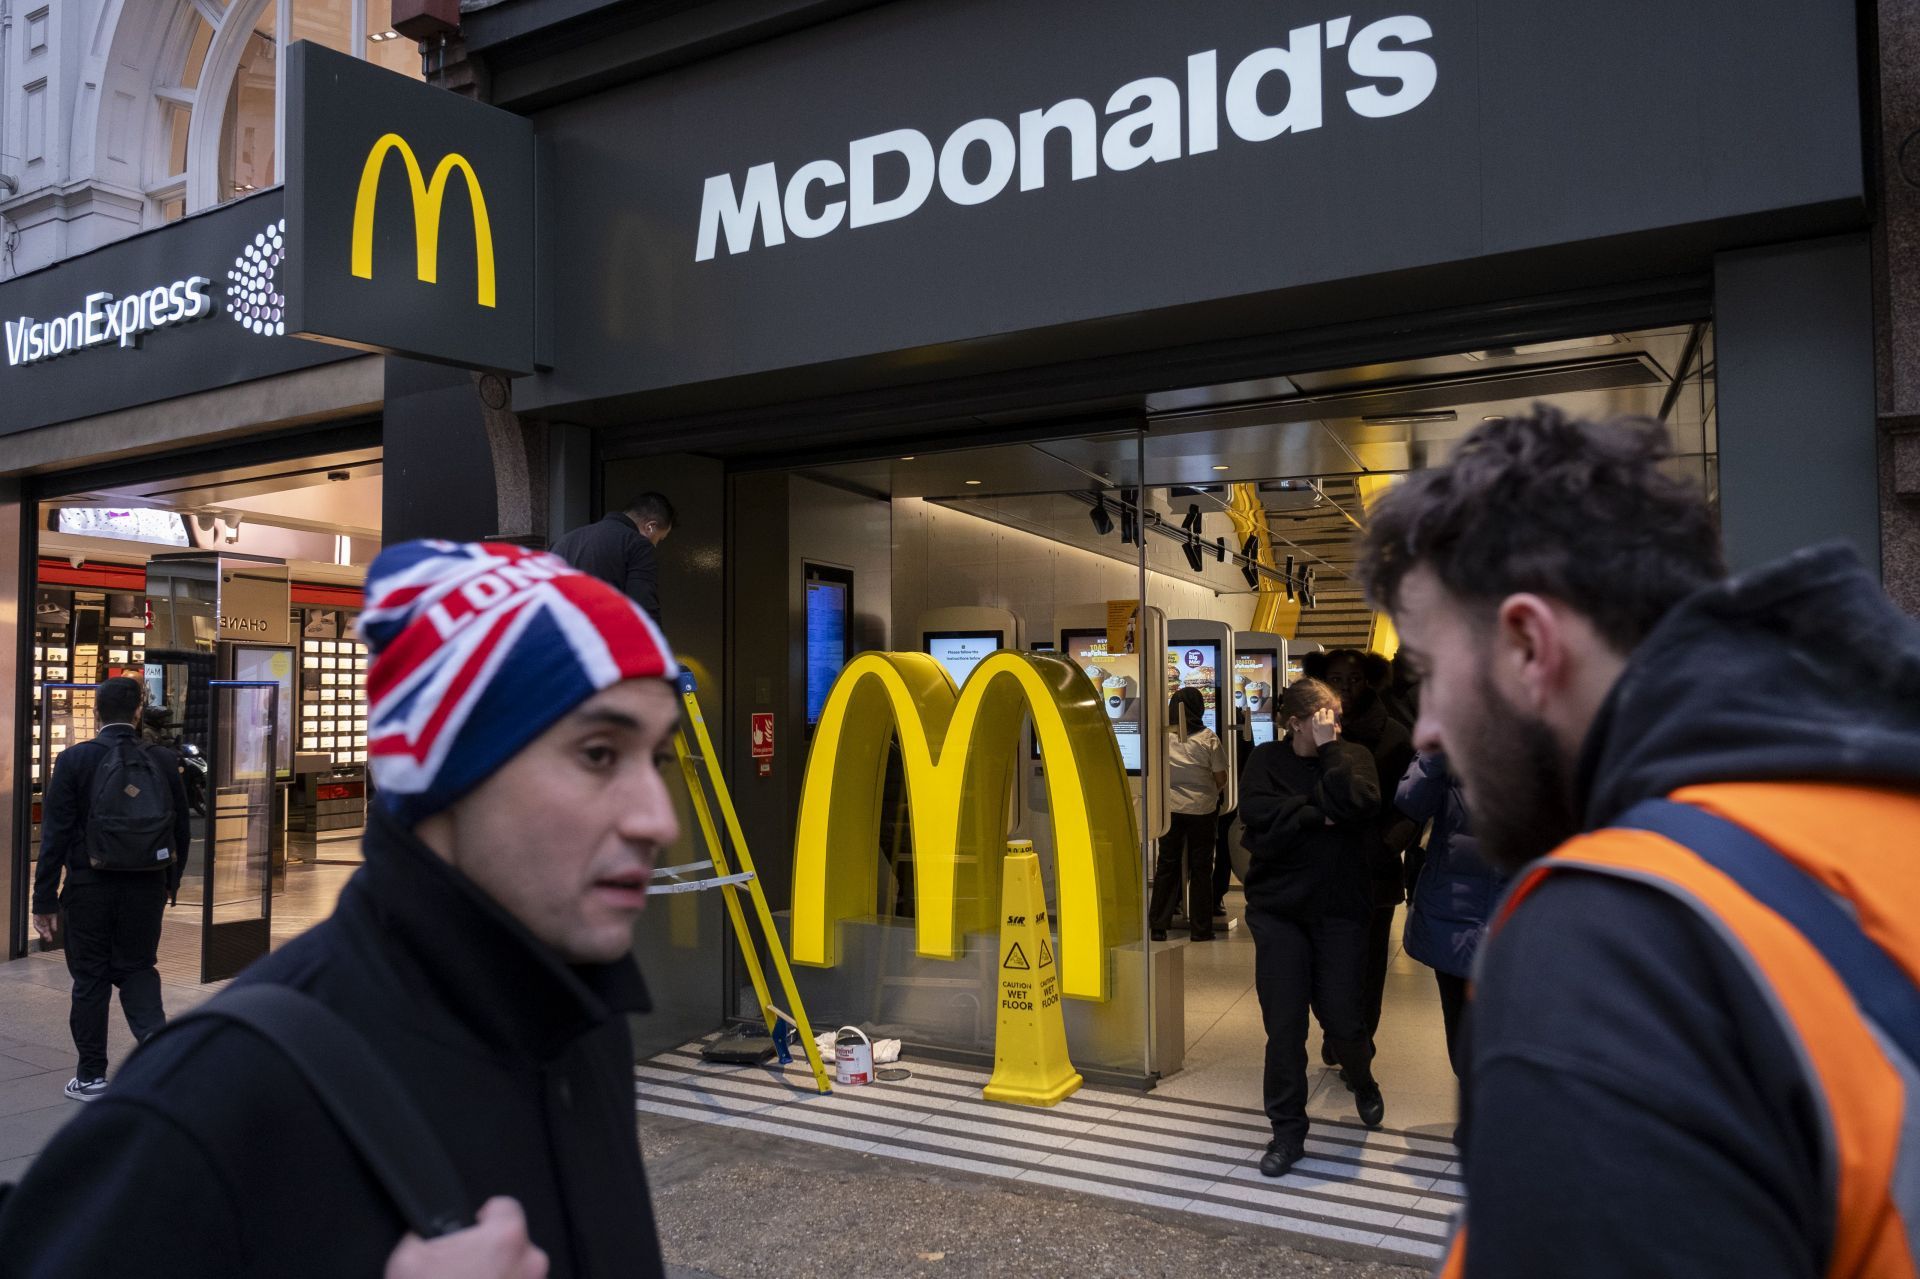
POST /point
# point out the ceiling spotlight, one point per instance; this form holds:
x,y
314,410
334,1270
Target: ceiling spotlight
x,y
1102,519
1192,553
906,459
1494,417
1192,521
973,483
1252,575
1222,468
1289,577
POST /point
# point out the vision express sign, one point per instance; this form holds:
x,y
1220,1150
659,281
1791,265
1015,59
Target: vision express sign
x,y
930,173
184,308
412,210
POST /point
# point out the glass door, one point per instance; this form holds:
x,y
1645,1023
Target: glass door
x,y
237,906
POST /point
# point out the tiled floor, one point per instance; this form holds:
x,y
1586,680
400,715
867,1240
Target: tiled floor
x,y
1192,1144
1386,1190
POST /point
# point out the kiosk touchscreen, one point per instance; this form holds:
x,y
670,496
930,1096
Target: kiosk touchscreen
x,y
1197,665
1117,678
1256,690
266,664
961,651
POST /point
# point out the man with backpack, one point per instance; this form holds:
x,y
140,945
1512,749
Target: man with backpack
x,y
1694,1022
115,822
437,1079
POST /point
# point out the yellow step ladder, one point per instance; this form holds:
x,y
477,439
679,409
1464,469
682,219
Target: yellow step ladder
x,y
672,879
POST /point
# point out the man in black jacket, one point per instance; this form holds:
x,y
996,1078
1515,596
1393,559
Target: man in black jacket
x,y
519,714
1308,803
620,549
111,918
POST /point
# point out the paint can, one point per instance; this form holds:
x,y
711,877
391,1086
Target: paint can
x,y
852,1057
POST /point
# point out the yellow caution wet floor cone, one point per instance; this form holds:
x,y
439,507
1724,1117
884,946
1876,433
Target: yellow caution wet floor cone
x,y
1030,1064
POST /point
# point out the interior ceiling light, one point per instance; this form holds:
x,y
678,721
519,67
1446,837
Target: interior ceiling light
x,y
1545,348
906,459
1192,552
1494,417
1192,521
1223,468
1410,419
973,483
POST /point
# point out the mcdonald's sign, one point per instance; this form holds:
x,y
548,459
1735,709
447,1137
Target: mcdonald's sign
x,y
409,216
960,748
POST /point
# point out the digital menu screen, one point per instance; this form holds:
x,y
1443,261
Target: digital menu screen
x,y
961,651
271,666
829,610
1117,677
1197,666
1256,690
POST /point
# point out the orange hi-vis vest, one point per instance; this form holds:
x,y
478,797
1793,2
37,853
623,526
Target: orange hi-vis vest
x,y
1861,845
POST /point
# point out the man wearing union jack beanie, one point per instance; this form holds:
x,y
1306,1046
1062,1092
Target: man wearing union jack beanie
x,y
519,714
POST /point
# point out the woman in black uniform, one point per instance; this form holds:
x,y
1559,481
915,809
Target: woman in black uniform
x,y
1309,804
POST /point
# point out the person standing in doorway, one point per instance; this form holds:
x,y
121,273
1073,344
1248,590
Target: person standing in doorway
x,y
621,549
115,826
1308,804
1364,721
1196,780
1455,894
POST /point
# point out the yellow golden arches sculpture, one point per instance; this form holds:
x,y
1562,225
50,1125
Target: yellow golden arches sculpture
x,y
427,199
959,749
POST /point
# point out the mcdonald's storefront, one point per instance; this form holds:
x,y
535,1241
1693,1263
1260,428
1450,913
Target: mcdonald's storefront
x,y
945,345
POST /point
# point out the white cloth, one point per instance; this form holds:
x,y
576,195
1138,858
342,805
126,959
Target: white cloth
x,y
1191,767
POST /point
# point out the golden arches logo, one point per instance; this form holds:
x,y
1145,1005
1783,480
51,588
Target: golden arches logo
x,y
960,748
428,196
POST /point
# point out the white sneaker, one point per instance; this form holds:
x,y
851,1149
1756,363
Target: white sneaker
x,y
86,1089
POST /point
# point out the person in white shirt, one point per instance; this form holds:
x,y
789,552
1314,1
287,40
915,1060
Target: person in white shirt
x,y
1196,779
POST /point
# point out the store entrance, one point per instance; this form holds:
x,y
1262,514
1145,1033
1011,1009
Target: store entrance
x,y
1224,535
231,594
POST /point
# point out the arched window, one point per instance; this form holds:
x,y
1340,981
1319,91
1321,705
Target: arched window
x,y
223,109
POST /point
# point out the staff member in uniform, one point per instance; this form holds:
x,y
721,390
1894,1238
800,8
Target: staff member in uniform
x,y
1196,779
1308,804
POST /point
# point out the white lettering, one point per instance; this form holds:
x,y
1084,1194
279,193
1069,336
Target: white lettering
x,y
822,173
17,339
177,294
1076,116
93,327
157,306
1299,62
1160,117
130,321
1203,102
863,209
759,201
197,286
1002,152
1269,93
1416,71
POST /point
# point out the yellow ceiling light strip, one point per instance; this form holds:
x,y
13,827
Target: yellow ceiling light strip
x,y
1273,612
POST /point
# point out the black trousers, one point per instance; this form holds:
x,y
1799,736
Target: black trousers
x,y
1189,839
1300,961
1222,862
1379,953
1453,1010
112,927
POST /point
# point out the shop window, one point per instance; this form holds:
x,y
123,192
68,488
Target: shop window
x,y
328,22
388,47
197,46
179,123
247,131
172,210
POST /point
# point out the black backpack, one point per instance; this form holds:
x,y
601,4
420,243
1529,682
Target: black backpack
x,y
130,812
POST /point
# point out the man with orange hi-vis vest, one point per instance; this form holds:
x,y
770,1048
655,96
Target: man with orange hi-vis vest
x,y
1692,1040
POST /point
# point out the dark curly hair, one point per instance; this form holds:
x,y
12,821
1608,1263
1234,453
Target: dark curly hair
x,y
1579,511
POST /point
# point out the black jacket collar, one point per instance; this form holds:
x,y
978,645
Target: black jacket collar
x,y
487,970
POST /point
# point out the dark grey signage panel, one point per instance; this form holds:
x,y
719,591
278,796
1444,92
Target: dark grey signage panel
x,y
412,209
169,312
929,173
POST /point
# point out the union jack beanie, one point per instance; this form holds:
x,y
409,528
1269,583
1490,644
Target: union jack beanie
x,y
478,648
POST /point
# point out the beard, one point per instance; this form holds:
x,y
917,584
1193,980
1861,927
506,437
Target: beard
x,y
1519,788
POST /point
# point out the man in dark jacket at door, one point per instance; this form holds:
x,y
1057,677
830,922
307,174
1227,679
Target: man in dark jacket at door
x,y
111,918
620,549
519,714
